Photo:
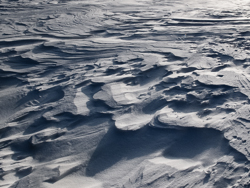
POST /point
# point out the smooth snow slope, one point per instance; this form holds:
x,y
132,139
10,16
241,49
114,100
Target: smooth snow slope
x,y
124,94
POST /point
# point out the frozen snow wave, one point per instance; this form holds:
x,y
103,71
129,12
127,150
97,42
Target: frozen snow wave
x,y
135,94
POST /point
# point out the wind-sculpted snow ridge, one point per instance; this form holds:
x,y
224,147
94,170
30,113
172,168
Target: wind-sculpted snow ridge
x,y
124,94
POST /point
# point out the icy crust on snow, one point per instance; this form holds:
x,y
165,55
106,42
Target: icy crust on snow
x,y
139,93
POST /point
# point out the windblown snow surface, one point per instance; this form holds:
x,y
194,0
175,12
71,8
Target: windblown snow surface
x,y
124,94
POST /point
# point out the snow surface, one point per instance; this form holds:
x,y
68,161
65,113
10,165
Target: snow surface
x,y
124,94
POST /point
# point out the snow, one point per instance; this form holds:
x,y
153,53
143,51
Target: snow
x,y
137,93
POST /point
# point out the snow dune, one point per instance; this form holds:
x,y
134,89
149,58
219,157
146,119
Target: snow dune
x,y
139,93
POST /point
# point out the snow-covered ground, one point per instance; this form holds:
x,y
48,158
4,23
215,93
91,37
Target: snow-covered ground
x,y
124,94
